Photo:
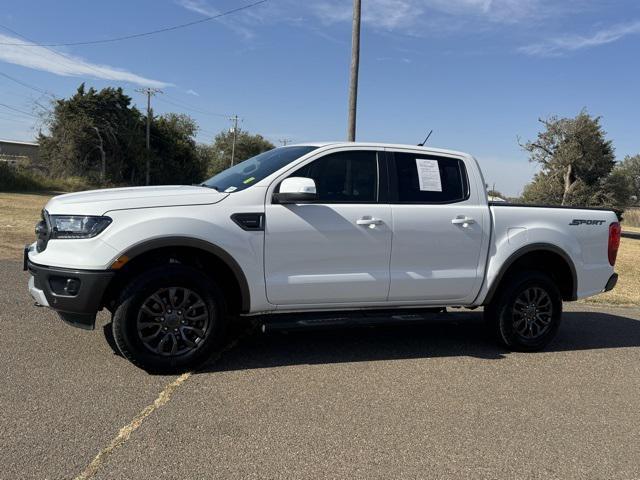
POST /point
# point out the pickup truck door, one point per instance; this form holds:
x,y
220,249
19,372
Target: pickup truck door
x,y
336,249
441,228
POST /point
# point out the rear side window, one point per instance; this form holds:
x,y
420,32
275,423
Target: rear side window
x,y
429,179
344,177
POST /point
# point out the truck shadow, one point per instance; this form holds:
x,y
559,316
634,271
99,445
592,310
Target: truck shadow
x,y
461,335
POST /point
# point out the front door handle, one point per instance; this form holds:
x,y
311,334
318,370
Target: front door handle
x,y
369,221
463,220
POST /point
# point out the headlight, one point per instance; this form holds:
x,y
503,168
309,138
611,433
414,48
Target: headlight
x,y
73,226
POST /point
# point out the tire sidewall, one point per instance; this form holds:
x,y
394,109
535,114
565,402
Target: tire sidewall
x,y
125,318
506,330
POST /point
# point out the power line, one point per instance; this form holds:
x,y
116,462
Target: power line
x,y
197,110
143,34
17,110
25,84
62,55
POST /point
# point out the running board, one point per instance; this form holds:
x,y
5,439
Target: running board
x,y
355,318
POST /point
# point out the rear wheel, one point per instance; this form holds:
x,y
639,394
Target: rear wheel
x,y
526,314
170,318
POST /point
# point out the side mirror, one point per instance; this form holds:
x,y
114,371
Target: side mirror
x,y
295,190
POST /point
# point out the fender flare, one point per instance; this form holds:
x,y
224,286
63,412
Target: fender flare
x,y
534,247
191,242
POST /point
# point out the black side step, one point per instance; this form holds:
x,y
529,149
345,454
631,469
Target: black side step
x,y
355,318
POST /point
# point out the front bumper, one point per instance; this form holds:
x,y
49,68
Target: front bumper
x,y
76,295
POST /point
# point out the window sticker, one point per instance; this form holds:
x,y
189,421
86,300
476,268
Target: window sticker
x,y
249,180
428,175
231,189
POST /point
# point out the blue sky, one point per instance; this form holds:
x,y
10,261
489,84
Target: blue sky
x,y
477,72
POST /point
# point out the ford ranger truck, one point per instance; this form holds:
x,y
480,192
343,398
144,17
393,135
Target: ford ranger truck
x,y
327,231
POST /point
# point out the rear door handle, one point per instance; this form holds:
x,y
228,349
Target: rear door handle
x,y
369,221
463,220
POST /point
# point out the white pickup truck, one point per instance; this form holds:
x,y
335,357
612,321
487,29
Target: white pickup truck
x,y
331,231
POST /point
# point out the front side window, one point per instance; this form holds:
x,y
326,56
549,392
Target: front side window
x,y
344,177
429,179
251,171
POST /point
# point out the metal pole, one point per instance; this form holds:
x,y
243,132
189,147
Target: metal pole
x,y
149,92
234,119
148,137
355,65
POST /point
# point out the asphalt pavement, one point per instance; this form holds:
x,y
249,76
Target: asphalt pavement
x,y
437,400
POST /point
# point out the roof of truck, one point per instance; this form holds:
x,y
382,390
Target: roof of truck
x,y
382,145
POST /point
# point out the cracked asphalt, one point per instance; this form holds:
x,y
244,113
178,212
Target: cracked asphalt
x,y
425,401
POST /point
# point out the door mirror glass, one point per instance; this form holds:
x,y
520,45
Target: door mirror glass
x,y
296,189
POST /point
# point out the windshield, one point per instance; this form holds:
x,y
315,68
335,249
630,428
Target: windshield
x,y
251,171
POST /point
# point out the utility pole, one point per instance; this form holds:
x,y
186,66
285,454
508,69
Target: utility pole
x,y
234,119
149,92
355,65
285,141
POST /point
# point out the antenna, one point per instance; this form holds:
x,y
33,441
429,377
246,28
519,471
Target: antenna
x,y
426,139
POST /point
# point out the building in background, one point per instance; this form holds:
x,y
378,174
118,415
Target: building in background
x,y
19,153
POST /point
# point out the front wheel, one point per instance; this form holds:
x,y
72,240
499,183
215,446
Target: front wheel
x,y
526,315
169,318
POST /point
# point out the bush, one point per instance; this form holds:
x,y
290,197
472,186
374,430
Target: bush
x,y
20,179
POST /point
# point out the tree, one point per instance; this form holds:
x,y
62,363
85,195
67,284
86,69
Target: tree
x,y
630,167
174,156
99,136
96,135
614,191
247,145
575,159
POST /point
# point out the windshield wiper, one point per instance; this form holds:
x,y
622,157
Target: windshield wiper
x,y
217,189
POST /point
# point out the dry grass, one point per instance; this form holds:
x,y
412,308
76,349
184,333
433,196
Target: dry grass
x,y
19,214
627,292
632,217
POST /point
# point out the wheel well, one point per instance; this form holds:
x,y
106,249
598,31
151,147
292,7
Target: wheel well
x,y
553,263
201,259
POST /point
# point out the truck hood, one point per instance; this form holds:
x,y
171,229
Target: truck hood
x,y
99,202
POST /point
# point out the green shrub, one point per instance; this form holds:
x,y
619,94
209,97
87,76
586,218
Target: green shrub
x,y
19,179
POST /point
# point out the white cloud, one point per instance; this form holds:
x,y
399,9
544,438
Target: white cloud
x,y
48,60
394,14
558,46
394,59
192,92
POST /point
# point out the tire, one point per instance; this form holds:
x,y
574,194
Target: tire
x,y
177,305
526,314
